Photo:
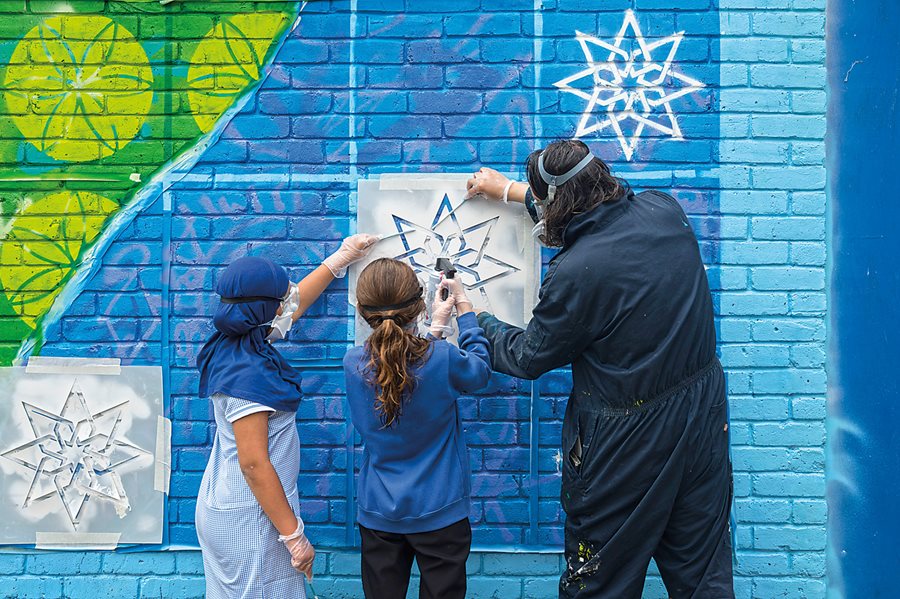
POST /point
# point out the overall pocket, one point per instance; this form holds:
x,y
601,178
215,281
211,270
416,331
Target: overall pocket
x,y
579,431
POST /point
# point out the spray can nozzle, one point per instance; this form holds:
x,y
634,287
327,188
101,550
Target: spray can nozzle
x,y
445,265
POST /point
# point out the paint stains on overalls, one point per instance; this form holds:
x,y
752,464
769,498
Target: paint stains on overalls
x,y
654,482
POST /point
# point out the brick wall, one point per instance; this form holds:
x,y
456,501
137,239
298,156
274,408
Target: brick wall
x,y
175,575
431,86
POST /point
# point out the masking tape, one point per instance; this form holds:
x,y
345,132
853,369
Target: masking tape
x,y
163,465
418,181
57,365
76,540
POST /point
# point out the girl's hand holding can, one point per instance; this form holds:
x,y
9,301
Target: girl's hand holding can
x,y
441,310
457,291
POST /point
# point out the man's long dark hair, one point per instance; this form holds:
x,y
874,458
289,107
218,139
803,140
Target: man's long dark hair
x,y
589,188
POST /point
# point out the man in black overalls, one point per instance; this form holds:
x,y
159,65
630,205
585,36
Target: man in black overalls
x,y
646,468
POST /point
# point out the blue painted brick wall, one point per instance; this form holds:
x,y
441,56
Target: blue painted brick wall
x,y
431,86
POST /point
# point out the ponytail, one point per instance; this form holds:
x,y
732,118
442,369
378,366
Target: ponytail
x,y
389,298
392,353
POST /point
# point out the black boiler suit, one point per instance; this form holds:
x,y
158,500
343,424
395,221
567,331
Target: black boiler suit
x,y
646,468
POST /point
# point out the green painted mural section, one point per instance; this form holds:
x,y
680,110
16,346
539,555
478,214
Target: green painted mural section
x,y
96,97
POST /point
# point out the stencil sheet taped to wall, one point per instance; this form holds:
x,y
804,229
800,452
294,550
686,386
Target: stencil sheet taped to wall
x,y
83,455
424,217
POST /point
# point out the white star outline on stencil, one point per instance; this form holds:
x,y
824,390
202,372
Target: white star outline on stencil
x,y
75,455
469,256
628,90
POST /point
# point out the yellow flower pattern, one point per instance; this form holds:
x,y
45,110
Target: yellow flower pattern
x,y
45,245
78,87
228,60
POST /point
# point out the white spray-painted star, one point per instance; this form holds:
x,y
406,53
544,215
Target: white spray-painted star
x,y
76,455
630,85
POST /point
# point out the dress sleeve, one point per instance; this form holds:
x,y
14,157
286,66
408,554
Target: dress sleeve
x,y
236,408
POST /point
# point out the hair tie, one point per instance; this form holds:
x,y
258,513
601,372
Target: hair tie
x,y
402,304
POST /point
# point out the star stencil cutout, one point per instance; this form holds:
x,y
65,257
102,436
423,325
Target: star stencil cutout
x,y
466,247
75,455
630,85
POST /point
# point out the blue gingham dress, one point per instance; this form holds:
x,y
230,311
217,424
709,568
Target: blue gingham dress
x,y
242,556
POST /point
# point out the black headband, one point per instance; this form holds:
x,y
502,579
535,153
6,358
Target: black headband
x,y
404,304
248,299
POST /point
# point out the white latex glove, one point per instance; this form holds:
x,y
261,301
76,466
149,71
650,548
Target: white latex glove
x,y
353,249
486,182
440,315
457,291
301,550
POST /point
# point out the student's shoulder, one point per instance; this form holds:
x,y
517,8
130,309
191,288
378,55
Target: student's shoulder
x,y
438,351
354,356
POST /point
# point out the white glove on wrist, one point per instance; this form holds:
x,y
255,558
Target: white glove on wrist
x,y
353,249
440,314
457,290
302,552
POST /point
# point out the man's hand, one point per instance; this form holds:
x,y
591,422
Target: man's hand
x,y
488,183
492,185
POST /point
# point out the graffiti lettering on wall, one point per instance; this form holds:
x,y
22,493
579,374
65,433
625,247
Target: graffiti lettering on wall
x,y
94,107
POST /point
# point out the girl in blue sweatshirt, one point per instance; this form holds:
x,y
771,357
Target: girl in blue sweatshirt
x,y
414,482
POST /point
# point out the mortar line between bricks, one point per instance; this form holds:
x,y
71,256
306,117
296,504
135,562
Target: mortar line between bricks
x,y
284,177
537,52
287,177
354,174
165,314
165,295
535,396
351,119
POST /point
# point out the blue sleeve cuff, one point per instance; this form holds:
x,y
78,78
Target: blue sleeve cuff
x,y
492,326
467,321
486,318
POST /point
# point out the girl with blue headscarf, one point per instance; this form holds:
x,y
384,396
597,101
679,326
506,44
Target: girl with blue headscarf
x,y
247,517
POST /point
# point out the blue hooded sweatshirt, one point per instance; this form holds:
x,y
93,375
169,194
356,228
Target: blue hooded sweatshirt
x,y
415,474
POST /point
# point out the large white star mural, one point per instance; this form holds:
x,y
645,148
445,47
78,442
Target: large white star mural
x,y
466,247
629,85
76,455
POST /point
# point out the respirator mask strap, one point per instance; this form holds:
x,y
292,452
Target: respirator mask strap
x,y
554,181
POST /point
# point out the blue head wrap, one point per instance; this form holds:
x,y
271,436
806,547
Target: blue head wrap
x,y
237,360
